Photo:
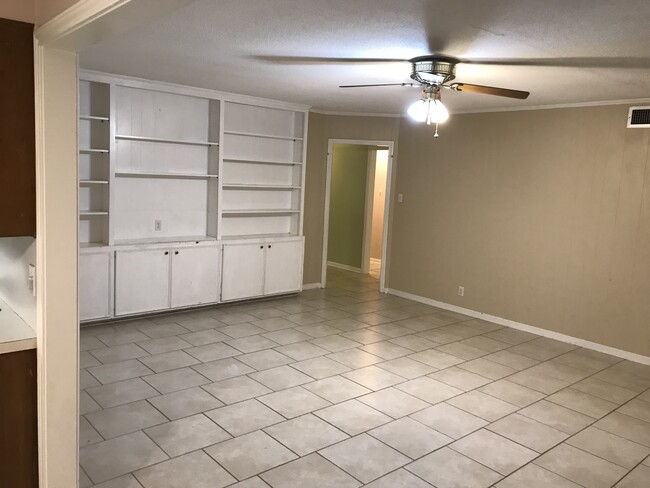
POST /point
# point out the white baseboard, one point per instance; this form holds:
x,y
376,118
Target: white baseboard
x,y
344,266
612,351
311,286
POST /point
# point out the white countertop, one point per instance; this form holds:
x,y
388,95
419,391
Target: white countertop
x,y
15,334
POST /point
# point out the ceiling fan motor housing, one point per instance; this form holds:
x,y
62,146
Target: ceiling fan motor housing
x,y
432,70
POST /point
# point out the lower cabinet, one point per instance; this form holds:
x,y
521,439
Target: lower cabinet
x,y
141,281
18,421
157,279
95,285
265,268
195,276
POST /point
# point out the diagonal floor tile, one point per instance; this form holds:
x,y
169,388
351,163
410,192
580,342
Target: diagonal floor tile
x,y
494,451
294,402
306,434
106,460
364,457
446,468
393,402
581,467
197,470
242,418
186,435
353,417
250,454
336,389
117,421
410,437
312,471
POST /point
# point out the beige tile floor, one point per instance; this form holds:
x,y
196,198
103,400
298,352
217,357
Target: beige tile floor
x,y
346,387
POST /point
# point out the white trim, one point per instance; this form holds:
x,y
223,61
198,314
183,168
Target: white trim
x,y
133,82
576,341
328,188
74,18
375,261
345,267
311,286
353,114
368,209
598,103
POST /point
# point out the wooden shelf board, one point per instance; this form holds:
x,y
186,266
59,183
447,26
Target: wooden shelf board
x,y
263,136
164,141
238,186
261,161
87,213
93,182
94,117
138,174
263,211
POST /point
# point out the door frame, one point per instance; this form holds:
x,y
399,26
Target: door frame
x,y
387,200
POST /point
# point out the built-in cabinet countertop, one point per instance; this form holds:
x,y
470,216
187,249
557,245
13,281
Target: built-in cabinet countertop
x,y
15,334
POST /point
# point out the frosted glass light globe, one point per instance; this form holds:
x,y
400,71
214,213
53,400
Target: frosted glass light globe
x,y
428,110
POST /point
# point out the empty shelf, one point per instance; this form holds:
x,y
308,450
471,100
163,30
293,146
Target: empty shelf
x,y
262,211
88,213
139,174
260,161
93,182
238,186
264,136
94,117
93,151
165,141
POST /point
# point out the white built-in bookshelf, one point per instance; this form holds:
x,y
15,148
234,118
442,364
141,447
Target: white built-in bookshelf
x,y
186,196
161,163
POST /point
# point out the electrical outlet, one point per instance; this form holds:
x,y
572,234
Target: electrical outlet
x,y
157,225
400,197
461,291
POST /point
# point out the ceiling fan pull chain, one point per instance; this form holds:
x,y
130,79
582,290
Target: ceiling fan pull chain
x,y
436,133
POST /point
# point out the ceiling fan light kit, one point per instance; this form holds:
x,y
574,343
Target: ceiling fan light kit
x,y
429,109
433,73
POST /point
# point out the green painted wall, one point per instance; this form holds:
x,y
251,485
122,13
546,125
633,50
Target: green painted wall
x,y
347,204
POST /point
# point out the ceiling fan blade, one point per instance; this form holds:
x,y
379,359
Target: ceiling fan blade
x,y
489,90
324,60
380,84
585,62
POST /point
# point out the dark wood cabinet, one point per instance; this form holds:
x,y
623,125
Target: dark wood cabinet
x,y
18,420
17,144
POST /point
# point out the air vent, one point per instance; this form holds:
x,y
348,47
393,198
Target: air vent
x,y
639,117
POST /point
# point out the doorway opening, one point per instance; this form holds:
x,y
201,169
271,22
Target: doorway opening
x,y
356,208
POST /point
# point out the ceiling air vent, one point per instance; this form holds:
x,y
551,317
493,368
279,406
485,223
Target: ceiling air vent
x,y
639,117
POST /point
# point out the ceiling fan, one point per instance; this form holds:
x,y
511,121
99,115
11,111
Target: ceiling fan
x,y
432,74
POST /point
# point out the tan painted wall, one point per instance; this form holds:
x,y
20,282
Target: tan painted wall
x,y
379,199
543,216
21,10
321,129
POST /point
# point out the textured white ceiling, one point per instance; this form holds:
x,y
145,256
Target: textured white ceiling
x,y
214,44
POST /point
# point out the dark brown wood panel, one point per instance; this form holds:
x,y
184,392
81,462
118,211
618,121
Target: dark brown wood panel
x,y
18,420
17,144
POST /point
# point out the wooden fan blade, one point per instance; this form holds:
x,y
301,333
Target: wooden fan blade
x,y
379,84
490,90
324,60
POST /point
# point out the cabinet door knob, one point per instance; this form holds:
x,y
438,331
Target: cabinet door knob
x,y
269,246
261,247
175,252
166,253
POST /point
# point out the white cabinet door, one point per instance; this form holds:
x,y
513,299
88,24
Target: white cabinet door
x,y
141,281
94,286
243,271
283,267
195,276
